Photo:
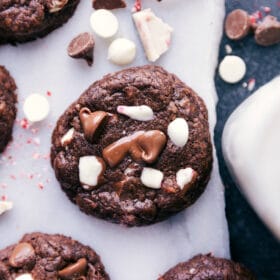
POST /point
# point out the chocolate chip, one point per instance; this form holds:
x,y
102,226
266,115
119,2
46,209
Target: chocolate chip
x,y
82,47
22,255
77,269
267,32
108,4
237,24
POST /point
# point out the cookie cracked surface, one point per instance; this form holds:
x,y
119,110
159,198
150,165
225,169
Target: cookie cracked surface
x,y
119,155
26,20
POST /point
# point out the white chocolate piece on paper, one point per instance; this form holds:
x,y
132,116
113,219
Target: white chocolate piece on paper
x,y
178,131
232,69
90,169
5,206
25,276
36,107
184,177
154,33
122,51
151,178
67,137
104,23
251,149
139,113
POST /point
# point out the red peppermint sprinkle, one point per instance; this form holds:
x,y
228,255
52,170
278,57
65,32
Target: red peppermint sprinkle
x,y
24,123
251,84
49,93
266,9
40,185
3,197
137,6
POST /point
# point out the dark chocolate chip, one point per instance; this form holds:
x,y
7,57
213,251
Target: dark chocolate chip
x,y
22,255
237,24
82,46
267,32
108,4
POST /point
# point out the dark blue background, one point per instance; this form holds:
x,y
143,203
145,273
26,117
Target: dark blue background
x,y
251,243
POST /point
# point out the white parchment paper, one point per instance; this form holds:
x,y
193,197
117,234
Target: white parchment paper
x,y
27,179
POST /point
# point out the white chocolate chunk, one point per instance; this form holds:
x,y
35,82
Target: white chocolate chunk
x,y
104,23
232,69
178,131
122,51
25,276
67,137
251,149
139,113
184,177
151,178
36,107
57,5
154,33
90,169
5,206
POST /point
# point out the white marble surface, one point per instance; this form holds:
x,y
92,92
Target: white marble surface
x,y
251,148
41,66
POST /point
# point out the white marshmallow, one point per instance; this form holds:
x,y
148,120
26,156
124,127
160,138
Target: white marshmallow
x,y
122,51
154,33
151,178
67,137
90,169
139,113
232,69
104,23
184,177
5,206
36,107
25,276
178,131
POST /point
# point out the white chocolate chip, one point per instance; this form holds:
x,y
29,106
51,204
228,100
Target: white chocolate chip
x,y
36,107
57,5
151,178
139,113
122,51
104,23
5,206
154,33
232,69
67,137
25,276
184,177
90,169
178,131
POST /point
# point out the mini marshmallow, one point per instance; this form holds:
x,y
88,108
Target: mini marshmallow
x,y
232,69
151,178
90,169
122,51
184,177
36,107
104,23
178,131
139,113
5,206
154,33
26,276
67,137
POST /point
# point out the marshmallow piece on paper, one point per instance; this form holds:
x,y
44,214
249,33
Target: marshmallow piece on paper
x,y
5,206
154,33
139,113
151,178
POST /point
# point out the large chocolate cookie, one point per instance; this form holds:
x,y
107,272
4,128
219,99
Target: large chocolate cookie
x,y
134,148
40,256
26,20
207,267
8,110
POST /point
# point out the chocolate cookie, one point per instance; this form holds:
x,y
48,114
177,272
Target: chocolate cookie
x,y
8,109
26,20
40,256
134,148
206,267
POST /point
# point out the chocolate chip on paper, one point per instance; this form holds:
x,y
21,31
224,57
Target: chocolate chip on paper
x,y
108,4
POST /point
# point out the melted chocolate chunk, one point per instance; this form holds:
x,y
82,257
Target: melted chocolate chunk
x,y
108,4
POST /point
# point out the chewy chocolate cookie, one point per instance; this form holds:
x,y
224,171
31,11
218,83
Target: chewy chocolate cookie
x,y
8,109
134,148
40,256
26,20
207,267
